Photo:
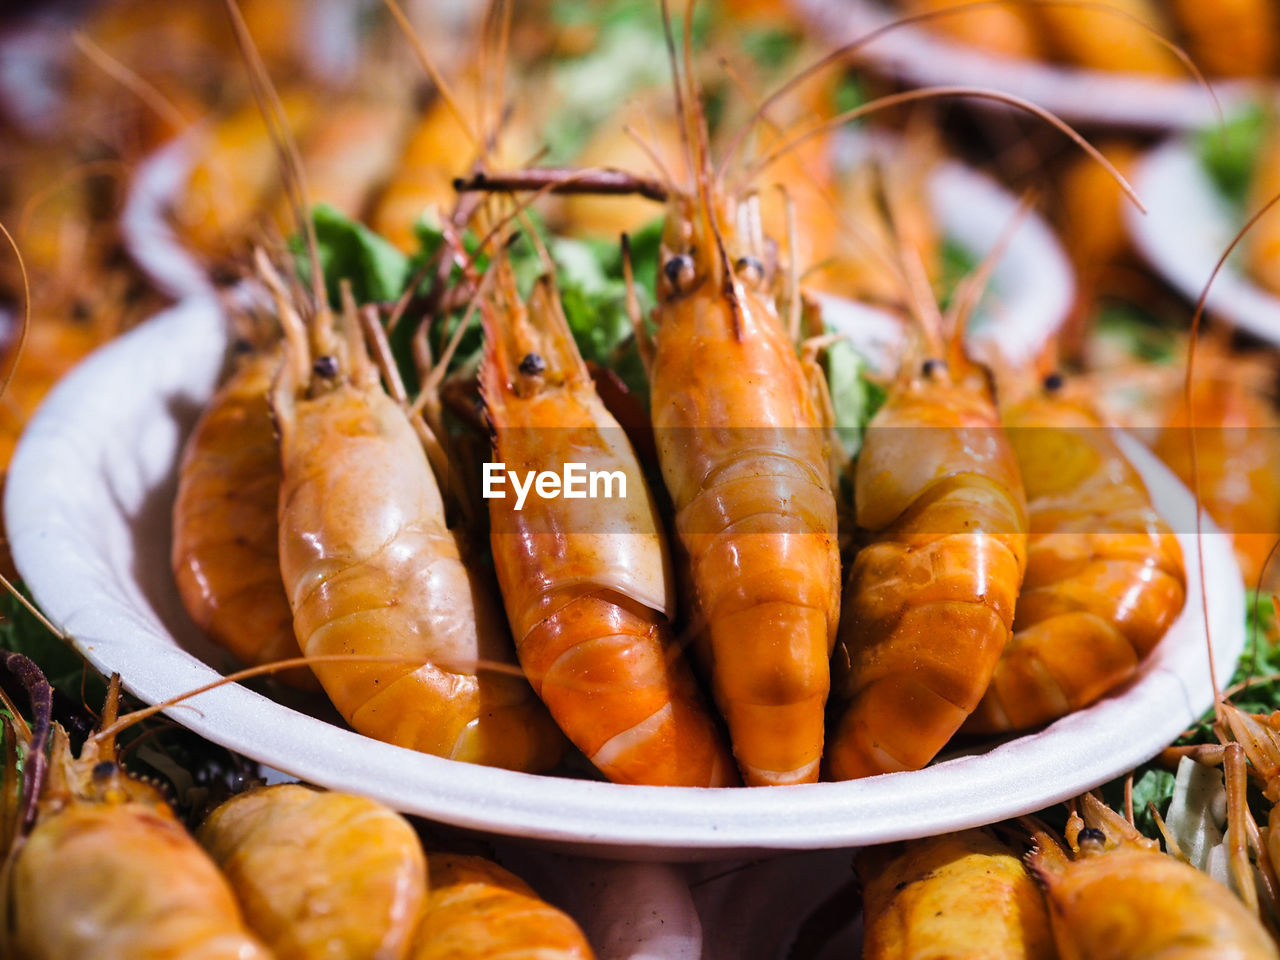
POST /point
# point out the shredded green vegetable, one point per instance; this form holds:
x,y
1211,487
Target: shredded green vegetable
x,y
1229,153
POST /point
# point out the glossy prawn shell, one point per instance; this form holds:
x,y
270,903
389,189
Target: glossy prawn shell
x,y
587,583
320,875
744,457
371,568
1105,575
930,598
122,881
225,554
958,895
1132,904
478,909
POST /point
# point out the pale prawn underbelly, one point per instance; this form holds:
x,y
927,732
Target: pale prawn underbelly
x,y
372,570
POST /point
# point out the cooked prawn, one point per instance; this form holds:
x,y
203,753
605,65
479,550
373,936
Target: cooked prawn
x,y
587,585
108,871
320,874
370,566
1105,575
1120,898
961,894
226,552
930,598
478,909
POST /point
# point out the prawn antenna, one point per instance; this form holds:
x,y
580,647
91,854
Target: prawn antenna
x,y
132,81
844,51
11,361
682,113
1188,383
40,694
969,291
651,154
437,78
930,93
115,726
273,114
852,229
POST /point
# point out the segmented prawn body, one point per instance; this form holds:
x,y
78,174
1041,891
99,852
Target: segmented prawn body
x,y
478,909
319,874
226,552
1104,577
371,568
958,895
744,456
109,872
587,583
1120,898
929,603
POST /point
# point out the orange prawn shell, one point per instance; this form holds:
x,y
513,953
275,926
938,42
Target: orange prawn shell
x,y
1105,575
930,599
1126,902
314,869
371,568
225,554
960,894
744,452
478,909
108,872
587,583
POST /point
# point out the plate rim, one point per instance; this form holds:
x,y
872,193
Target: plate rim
x,y
1235,296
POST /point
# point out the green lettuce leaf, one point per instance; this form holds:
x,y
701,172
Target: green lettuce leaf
x,y
1229,153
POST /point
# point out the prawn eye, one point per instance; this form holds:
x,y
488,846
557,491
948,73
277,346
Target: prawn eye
x,y
680,273
241,346
933,367
532,365
326,366
104,770
1054,382
1091,836
750,271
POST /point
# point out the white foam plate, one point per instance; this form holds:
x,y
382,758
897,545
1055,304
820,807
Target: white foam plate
x,y
922,57
87,507
1187,227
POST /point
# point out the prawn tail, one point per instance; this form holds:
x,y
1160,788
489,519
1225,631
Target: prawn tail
x,y
603,666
